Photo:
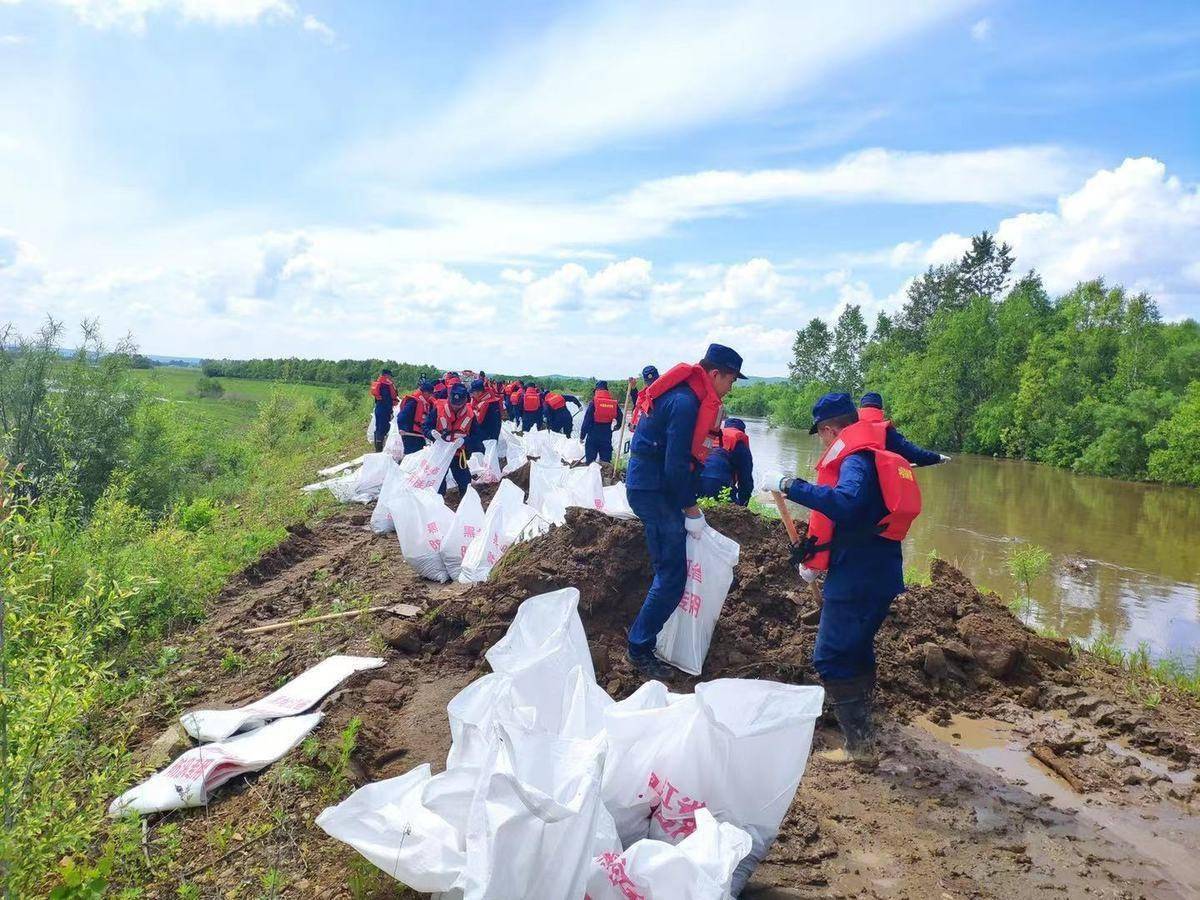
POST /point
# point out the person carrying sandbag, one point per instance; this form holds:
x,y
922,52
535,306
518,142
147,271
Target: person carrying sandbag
x,y
449,420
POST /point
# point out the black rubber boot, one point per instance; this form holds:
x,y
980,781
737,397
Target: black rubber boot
x,y
850,699
652,667
378,445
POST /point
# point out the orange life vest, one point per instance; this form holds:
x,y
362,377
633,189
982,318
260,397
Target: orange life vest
x,y
514,396
483,404
871,414
898,484
731,437
705,435
422,408
533,400
453,423
376,385
604,408
451,380
555,400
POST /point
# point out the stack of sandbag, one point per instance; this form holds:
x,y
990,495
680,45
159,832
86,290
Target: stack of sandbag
x,y
554,486
423,470
508,520
552,789
359,481
466,525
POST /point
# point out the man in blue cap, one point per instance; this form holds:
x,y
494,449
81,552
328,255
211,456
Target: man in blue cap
x,y
558,417
649,376
870,409
410,416
865,568
449,420
602,417
486,405
730,465
675,435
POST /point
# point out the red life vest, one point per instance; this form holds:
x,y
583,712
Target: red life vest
x,y
451,380
871,414
483,404
533,400
453,423
705,435
422,408
731,437
555,400
376,385
514,396
604,408
901,494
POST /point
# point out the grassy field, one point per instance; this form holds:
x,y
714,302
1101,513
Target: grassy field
x,y
236,408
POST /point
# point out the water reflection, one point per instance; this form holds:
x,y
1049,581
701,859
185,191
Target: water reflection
x,y
1125,554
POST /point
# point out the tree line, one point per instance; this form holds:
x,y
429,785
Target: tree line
x,y
982,362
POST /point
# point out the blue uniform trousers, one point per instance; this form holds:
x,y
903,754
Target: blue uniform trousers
x,y
712,487
666,539
412,444
598,446
529,419
845,646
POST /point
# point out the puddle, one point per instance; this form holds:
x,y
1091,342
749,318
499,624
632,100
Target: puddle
x,y
1158,830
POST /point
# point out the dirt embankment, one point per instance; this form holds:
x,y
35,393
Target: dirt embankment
x,y
940,818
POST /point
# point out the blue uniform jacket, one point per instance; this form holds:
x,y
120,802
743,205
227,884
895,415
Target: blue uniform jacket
x,y
406,414
488,429
861,563
589,429
660,452
918,456
385,402
734,470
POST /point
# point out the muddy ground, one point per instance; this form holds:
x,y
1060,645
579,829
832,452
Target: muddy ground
x,y
958,808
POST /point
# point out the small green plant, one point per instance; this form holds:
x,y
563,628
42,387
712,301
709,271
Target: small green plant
x,y
725,495
272,882
1026,564
303,777
188,890
232,661
196,515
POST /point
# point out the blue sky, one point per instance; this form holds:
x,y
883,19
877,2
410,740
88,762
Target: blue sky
x,y
579,188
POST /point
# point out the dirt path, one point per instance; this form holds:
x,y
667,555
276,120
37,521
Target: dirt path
x,y
959,808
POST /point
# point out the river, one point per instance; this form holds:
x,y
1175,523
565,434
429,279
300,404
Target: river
x,y
1125,557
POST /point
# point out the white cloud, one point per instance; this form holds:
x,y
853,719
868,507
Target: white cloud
x,y
314,25
1134,225
13,40
133,14
611,294
619,70
981,30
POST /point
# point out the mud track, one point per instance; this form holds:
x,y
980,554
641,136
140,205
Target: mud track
x,y
958,808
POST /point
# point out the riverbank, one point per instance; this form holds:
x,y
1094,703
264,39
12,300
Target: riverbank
x,y
935,818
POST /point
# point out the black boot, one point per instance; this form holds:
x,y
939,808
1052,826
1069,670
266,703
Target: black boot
x,y
850,699
378,445
652,667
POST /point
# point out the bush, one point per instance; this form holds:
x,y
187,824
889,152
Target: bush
x,y
197,515
1175,456
209,387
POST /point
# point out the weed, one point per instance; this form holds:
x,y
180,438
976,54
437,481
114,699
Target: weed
x,y
272,882
232,661
187,890
1026,564
303,777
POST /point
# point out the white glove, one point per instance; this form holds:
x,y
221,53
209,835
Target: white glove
x,y
694,525
435,435
809,575
768,480
945,458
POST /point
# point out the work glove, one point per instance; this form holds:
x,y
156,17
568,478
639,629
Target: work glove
x,y
785,482
694,525
807,574
767,480
944,457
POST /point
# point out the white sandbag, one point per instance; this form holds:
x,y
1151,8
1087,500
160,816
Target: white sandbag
x,y
370,477
506,517
412,827
342,467
466,525
537,819
426,469
190,779
489,469
616,502
571,450
371,429
343,488
737,747
394,446
540,444
422,521
381,516
473,714
685,638
585,486
554,505
302,692
513,461
700,867
545,474
545,635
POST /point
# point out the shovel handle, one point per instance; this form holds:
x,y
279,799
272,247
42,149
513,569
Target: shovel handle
x,y
786,514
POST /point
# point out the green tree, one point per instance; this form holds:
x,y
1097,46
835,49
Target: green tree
x,y
810,352
845,358
1175,442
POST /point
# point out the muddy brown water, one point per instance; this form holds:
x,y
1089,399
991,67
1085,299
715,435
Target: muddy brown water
x,y
1125,556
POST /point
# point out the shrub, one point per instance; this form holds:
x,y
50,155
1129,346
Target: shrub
x,y
209,387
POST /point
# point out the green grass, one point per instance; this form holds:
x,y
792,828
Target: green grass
x,y
1145,674
236,408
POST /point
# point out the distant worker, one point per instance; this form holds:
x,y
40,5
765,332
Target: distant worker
x,y
410,418
531,408
558,417
602,418
730,465
855,534
383,389
449,420
649,376
870,409
440,390
668,449
486,404
512,400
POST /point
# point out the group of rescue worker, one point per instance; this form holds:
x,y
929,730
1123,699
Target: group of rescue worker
x,y
863,500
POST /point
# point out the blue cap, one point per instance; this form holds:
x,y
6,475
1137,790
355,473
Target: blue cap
x,y
458,394
424,384
649,374
602,385
830,406
725,357
477,385
387,372
871,399
735,423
